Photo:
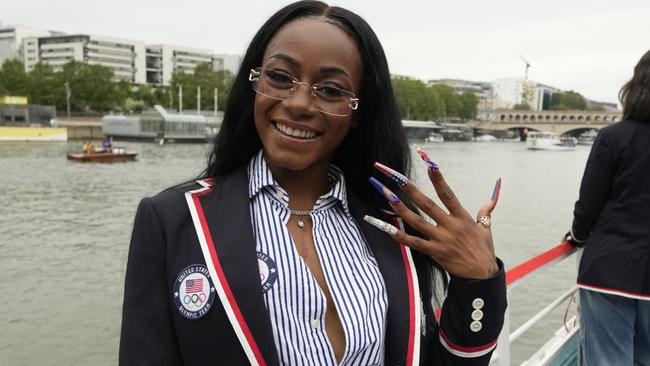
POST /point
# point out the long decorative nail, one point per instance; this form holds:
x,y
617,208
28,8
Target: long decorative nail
x,y
398,177
381,225
387,193
433,167
497,190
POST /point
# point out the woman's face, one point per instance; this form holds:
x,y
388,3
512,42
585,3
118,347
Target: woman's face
x,y
295,134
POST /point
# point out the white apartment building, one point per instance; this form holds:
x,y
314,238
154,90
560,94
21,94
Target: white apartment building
x,y
11,41
129,60
126,58
222,61
163,60
511,91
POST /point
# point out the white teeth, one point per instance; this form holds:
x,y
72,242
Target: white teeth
x,y
295,132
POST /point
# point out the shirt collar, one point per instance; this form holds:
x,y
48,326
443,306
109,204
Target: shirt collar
x,y
260,177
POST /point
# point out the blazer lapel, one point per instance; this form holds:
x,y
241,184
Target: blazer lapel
x,y
402,339
221,215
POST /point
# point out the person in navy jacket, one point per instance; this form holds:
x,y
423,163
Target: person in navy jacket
x,y
612,221
283,253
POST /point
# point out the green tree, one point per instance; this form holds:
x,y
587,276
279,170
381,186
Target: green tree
x,y
570,100
120,96
206,78
417,101
521,107
185,80
225,80
13,78
468,106
450,99
44,85
404,95
164,96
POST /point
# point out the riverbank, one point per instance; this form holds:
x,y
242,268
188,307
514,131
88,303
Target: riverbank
x,y
82,128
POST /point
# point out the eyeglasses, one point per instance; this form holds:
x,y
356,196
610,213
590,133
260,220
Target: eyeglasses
x,y
280,85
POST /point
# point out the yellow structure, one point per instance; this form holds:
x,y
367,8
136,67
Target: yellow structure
x,y
33,134
10,99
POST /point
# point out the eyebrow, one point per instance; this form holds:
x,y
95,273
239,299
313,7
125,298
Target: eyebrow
x,y
326,69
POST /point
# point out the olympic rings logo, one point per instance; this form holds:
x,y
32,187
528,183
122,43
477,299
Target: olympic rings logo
x,y
194,301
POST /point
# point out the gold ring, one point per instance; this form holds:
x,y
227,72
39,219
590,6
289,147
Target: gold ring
x,y
485,221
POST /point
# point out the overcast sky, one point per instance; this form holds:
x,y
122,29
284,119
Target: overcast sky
x,y
589,46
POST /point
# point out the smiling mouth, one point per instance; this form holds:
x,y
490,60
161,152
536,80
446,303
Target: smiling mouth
x,y
294,132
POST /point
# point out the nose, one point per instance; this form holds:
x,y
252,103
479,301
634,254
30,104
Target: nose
x,y
300,101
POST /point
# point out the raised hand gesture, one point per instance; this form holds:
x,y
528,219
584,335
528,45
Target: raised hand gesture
x,y
461,244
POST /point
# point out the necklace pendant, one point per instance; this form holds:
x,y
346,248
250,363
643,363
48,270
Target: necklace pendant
x,y
301,224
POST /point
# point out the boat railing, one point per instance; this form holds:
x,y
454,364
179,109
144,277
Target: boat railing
x,y
515,277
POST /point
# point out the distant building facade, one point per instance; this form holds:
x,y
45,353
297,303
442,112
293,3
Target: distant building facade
x,y
16,111
222,61
129,60
11,41
125,58
163,60
509,92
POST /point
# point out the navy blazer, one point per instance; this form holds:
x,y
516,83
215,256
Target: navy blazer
x,y
207,223
612,215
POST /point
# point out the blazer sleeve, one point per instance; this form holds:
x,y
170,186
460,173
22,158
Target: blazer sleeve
x,y
147,336
594,189
470,322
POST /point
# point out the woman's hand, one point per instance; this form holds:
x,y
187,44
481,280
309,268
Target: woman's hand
x,y
460,244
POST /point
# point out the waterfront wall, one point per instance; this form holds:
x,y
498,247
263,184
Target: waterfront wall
x,y
82,128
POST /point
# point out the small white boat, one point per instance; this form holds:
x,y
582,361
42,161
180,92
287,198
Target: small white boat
x,y
485,138
434,137
550,141
587,137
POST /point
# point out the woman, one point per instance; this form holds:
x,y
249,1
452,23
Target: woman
x,y
612,221
267,259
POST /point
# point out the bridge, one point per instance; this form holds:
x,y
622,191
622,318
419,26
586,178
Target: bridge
x,y
561,122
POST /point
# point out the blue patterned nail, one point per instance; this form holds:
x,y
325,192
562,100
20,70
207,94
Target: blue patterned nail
x,y
387,193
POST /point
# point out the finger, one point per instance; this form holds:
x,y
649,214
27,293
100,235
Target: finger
x,y
414,220
445,193
424,203
411,241
488,207
485,210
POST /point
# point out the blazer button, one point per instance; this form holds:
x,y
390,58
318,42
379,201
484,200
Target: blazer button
x,y
478,303
477,315
476,326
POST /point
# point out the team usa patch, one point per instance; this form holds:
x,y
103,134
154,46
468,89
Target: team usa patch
x,y
268,271
193,292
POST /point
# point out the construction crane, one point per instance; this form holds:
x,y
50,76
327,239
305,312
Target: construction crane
x,y
527,66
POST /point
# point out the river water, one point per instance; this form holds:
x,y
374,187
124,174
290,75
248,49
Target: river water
x,y
65,229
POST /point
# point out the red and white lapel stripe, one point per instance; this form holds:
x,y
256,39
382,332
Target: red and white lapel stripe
x,y
219,279
415,305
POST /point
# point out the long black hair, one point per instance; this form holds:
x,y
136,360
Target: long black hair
x,y
378,135
635,94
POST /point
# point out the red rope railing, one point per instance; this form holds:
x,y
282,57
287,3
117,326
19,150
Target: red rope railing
x,y
519,271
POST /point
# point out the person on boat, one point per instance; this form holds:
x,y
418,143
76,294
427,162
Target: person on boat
x,y
89,148
612,221
283,253
107,144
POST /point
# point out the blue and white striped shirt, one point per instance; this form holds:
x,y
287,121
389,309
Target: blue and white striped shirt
x,y
295,302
